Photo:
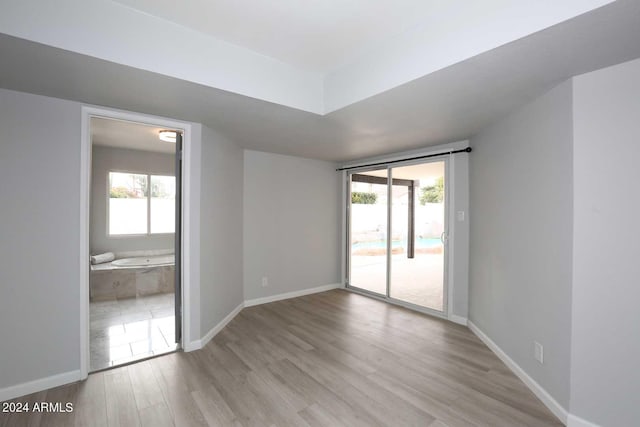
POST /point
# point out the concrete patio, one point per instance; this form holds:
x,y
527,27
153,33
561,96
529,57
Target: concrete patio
x,y
417,281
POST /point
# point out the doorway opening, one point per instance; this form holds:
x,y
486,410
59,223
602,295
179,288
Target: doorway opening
x,y
397,234
134,284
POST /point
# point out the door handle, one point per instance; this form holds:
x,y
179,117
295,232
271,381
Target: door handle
x,y
444,238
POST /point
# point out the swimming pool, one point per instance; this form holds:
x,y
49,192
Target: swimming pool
x,y
421,242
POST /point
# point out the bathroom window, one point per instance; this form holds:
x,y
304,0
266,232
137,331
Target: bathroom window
x,y
163,204
141,204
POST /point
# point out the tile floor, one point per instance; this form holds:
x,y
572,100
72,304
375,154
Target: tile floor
x,y
128,329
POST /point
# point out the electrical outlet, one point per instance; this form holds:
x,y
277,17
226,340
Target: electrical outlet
x,y
265,282
538,352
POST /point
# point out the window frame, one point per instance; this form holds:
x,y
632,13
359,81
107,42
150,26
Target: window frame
x,y
148,233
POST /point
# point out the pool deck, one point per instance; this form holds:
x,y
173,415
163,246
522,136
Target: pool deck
x,y
418,280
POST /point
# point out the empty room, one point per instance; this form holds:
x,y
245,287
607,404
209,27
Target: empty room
x,y
336,213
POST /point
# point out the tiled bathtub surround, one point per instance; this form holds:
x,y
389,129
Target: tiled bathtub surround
x,y
127,329
132,311
110,284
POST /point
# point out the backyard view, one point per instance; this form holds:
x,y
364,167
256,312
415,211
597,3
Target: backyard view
x,y
132,210
416,264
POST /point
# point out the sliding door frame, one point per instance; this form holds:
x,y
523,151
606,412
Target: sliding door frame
x,y
347,236
446,291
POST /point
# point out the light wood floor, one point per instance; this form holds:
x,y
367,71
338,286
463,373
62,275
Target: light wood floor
x,y
329,359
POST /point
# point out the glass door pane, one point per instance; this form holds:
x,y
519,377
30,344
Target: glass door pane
x,y
368,231
417,224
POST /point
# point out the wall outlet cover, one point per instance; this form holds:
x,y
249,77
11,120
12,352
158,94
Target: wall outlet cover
x,y
538,352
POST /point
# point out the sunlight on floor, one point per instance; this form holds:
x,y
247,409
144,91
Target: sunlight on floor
x,y
129,329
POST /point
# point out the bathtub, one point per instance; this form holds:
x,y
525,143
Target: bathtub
x,y
132,275
144,261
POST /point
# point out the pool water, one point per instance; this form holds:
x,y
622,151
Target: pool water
x,y
421,242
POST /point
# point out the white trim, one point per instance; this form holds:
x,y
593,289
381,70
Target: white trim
x,y
85,197
536,388
450,228
294,294
344,273
88,111
458,319
38,385
198,344
575,421
389,236
149,175
417,308
407,155
185,265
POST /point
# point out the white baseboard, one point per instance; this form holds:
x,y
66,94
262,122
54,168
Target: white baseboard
x,y
198,344
575,421
536,388
39,385
458,319
294,294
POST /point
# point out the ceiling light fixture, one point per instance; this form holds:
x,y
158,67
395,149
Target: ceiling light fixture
x,y
167,135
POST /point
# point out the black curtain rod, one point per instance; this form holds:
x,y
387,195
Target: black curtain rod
x,y
464,150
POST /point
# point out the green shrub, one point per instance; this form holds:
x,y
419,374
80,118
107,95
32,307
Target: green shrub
x,y
433,193
363,198
123,193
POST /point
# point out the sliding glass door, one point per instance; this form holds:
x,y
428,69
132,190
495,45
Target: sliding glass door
x,y
397,233
418,225
368,231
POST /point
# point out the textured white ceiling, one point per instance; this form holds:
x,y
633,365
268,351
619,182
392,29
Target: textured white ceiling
x,y
448,105
314,35
322,35
316,56
134,136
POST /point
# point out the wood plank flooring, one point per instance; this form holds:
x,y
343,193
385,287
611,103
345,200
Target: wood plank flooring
x,y
329,359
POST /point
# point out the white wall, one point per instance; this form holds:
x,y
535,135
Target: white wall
x,y
104,160
291,224
220,229
459,232
40,161
605,378
521,236
39,244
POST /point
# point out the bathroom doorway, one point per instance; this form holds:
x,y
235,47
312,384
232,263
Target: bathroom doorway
x,y
134,241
